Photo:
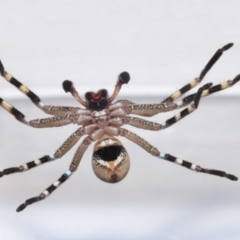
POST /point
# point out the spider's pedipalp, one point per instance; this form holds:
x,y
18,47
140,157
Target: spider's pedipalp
x,y
123,78
67,85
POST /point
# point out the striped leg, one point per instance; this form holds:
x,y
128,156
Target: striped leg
x,y
148,110
196,81
73,167
155,152
219,87
56,121
45,193
144,124
53,110
192,107
66,146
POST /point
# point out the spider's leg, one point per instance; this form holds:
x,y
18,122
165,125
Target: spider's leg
x,y
63,110
149,110
73,167
34,98
55,121
148,125
124,107
219,87
196,81
155,152
68,86
65,147
53,110
45,193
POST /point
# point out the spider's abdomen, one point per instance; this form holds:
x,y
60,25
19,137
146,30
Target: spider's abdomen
x,y
110,160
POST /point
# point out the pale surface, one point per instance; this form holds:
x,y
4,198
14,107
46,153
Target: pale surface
x,y
160,43
157,200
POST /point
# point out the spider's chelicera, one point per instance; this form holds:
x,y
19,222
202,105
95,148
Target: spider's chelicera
x,y
101,121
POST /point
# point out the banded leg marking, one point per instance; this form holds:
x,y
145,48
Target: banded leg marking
x,y
28,165
45,193
73,167
191,108
219,87
34,98
65,147
17,114
56,121
155,152
196,81
196,168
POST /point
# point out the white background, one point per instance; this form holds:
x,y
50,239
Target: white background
x,y
163,45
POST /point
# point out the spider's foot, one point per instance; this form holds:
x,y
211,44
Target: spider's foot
x,y
1,68
9,171
231,177
28,202
219,173
226,47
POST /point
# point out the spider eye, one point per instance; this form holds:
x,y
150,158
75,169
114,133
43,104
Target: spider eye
x,y
110,160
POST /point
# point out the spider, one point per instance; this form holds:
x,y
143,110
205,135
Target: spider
x,y
101,120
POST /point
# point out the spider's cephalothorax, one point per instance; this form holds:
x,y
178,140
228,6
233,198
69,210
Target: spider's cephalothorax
x,y
97,101
101,121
